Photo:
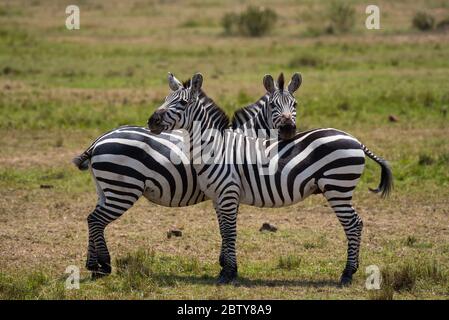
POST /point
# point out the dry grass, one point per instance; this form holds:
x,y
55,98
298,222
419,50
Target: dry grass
x,y
45,229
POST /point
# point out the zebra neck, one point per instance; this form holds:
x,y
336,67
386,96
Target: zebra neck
x,y
245,114
260,125
206,134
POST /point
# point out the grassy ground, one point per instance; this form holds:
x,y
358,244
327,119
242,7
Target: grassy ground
x,y
60,89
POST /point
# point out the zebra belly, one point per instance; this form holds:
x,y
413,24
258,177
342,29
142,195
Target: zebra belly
x,y
153,195
271,200
333,161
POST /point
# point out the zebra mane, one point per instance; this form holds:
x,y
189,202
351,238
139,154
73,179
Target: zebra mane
x,y
221,117
186,84
241,112
281,82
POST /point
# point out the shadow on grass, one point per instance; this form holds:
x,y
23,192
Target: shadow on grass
x,y
244,282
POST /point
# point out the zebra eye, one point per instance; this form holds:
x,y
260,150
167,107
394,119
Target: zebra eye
x,y
183,103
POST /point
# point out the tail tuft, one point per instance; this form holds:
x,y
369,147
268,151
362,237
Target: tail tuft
x,y
386,177
82,161
386,180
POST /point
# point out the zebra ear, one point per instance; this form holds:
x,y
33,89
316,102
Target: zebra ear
x,y
295,83
173,83
197,82
268,83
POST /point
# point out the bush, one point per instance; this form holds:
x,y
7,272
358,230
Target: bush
x,y
443,24
423,21
253,22
406,276
342,17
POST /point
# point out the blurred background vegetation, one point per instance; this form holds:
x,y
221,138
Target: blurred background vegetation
x,y
376,84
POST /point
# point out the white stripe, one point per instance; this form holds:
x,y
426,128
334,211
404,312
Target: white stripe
x,y
340,183
355,169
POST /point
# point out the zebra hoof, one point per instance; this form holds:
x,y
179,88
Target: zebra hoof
x,y
226,278
346,278
101,270
98,275
105,267
345,281
92,267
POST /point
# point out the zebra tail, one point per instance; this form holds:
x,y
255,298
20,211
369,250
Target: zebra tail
x,y
386,178
82,161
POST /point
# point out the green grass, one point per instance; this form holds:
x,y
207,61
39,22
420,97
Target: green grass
x,y
64,179
145,274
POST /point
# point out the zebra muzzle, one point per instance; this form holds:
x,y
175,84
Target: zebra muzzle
x,y
155,123
287,131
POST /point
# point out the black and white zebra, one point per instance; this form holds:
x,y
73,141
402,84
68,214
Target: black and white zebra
x,y
326,161
130,161
276,109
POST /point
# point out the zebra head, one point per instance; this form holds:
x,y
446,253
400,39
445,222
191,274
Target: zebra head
x,y
282,104
172,113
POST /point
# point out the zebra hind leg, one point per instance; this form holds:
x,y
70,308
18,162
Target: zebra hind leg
x,y
92,257
98,257
97,222
352,225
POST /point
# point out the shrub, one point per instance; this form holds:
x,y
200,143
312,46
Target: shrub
x,y
405,277
423,21
342,17
253,22
402,279
443,24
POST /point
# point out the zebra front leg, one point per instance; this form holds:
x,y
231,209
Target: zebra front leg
x,y
221,258
227,209
228,257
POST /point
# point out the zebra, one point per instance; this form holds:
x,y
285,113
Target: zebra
x,y
130,161
326,161
275,109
